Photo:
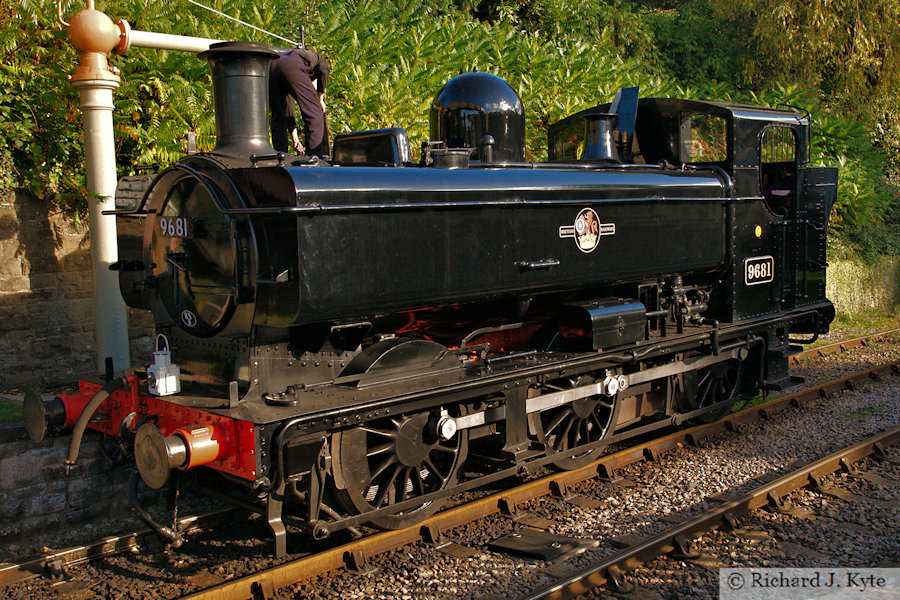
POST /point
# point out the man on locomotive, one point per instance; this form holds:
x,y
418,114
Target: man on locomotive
x,y
291,78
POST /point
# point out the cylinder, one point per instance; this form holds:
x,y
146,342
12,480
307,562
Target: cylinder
x,y
240,74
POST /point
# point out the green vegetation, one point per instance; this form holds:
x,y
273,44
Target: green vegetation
x,y
865,322
750,403
863,413
10,411
391,58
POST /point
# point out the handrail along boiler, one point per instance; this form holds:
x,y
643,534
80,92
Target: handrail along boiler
x,y
343,334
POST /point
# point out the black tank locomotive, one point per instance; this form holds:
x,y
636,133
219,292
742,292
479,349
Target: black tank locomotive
x,y
346,332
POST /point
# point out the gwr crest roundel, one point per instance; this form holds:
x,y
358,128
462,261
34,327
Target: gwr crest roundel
x,y
587,230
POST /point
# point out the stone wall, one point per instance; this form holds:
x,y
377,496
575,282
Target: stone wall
x,y
47,334
38,496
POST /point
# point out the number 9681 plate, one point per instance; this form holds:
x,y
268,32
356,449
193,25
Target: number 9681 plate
x,y
759,269
176,227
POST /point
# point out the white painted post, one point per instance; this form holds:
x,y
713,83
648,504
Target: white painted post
x,y
110,312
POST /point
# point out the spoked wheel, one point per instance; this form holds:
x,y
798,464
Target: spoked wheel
x,y
392,460
719,383
579,423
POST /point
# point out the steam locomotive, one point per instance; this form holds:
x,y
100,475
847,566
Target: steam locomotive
x,y
338,337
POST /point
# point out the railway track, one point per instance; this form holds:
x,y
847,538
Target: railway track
x,y
356,554
677,539
57,562
841,346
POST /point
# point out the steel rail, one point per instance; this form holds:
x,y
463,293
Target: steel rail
x,y
108,546
610,569
355,554
841,346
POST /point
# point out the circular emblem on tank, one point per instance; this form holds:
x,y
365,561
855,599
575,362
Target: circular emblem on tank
x,y
188,318
587,230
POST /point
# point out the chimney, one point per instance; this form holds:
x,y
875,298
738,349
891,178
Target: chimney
x,y
240,74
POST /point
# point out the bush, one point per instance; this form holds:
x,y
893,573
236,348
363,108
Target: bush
x,y
390,60
41,146
697,43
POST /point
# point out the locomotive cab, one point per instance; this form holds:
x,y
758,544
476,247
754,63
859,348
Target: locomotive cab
x,y
782,202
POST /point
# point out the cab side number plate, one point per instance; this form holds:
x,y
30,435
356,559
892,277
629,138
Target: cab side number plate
x,y
759,269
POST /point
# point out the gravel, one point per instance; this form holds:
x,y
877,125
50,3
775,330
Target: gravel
x,y
837,529
830,529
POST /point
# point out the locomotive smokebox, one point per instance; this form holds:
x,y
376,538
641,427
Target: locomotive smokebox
x,y
474,105
240,74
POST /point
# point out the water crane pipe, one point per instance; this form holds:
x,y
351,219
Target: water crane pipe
x,y
93,34
129,38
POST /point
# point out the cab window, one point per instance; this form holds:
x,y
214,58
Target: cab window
x,y
703,139
778,169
